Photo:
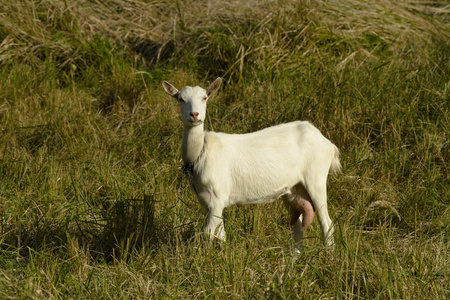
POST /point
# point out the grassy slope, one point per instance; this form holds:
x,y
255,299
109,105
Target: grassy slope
x,y
92,200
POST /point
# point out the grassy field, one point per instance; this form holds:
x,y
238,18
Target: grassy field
x,y
93,203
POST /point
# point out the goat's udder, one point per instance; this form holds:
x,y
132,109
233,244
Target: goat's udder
x,y
302,206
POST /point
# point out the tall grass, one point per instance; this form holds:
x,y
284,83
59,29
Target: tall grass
x,y
92,200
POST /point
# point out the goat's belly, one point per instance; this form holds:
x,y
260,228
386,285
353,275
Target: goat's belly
x,y
259,197
240,202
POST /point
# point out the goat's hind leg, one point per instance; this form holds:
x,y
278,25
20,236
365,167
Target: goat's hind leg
x,y
295,220
318,195
301,214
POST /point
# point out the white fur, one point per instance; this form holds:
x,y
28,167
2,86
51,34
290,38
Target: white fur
x,y
258,167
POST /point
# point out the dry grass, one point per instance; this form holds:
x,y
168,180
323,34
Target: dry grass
x,y
92,200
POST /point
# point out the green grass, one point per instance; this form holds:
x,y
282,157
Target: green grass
x,y
93,203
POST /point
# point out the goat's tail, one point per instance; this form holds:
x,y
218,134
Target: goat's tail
x,y
335,167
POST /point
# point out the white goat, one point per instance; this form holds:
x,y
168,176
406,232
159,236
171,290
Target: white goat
x,y
289,161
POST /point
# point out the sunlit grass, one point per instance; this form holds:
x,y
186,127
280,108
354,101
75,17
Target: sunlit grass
x,y
93,203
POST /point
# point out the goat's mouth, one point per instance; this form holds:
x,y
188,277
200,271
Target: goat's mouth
x,y
195,122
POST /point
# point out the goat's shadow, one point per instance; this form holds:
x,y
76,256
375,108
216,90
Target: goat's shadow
x,y
129,224
133,224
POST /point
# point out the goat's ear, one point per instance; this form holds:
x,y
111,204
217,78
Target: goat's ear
x,y
170,89
213,87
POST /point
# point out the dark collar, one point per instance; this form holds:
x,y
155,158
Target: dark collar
x,y
188,170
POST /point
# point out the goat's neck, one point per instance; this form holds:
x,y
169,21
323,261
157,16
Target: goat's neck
x,y
192,144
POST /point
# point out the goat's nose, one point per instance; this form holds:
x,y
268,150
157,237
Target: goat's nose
x,y
194,114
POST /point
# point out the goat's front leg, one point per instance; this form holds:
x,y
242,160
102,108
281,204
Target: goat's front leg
x,y
214,226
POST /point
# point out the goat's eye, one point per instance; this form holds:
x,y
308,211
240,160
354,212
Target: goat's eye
x,y
205,98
